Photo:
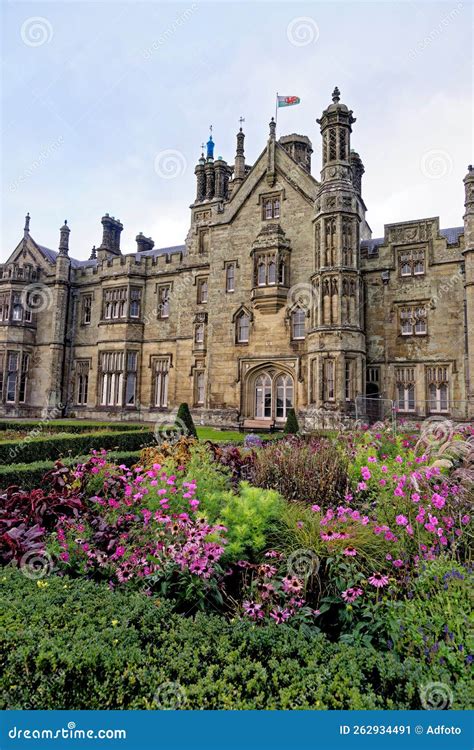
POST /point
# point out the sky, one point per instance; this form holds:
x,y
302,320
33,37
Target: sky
x,y
105,105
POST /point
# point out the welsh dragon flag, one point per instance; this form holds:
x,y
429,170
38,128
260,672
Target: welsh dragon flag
x,y
287,101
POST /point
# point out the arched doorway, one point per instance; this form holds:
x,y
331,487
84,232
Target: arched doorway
x,y
270,395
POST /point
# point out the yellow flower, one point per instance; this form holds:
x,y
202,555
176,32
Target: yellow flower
x,y
41,584
115,622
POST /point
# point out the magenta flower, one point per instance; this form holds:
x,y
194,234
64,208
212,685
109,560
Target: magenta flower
x,y
465,519
438,501
398,563
350,552
401,520
378,580
315,508
365,471
351,594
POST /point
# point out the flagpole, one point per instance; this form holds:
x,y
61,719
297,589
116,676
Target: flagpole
x,y
276,109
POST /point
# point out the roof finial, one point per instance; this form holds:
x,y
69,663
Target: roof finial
x,y
336,94
64,239
210,145
93,255
241,120
26,228
272,128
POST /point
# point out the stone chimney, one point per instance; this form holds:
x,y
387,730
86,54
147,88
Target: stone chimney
x,y
299,147
112,228
144,243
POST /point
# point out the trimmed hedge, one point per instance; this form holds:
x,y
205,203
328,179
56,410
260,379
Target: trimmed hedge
x,y
69,425
84,646
29,476
52,446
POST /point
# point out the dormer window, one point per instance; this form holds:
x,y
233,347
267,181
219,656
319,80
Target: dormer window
x,y
271,208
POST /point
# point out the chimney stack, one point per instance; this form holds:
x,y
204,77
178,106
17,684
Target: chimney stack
x,y
111,234
144,243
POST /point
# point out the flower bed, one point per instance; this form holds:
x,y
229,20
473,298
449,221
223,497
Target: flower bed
x,y
374,557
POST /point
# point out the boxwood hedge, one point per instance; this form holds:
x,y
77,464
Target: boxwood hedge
x,y
52,447
67,425
72,644
29,476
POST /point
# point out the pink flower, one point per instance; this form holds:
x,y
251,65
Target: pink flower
x,y
401,520
365,471
378,580
438,501
350,552
351,594
361,486
465,519
372,459
399,460
330,535
415,497
398,492
398,563
409,529
384,469
315,508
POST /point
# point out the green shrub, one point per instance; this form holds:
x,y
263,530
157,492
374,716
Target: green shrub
x,y
54,446
184,419
248,517
84,646
312,471
433,624
291,427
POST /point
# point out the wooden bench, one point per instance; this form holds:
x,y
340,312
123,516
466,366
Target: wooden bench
x,y
259,425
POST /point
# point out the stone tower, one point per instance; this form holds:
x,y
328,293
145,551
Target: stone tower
x,y
60,323
468,254
336,336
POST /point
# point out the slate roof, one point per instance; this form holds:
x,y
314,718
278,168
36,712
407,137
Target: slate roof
x,y
452,234
51,255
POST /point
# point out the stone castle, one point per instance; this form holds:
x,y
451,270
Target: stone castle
x,y
279,298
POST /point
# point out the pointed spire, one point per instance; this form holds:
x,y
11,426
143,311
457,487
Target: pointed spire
x,y
210,145
26,228
93,255
336,95
64,239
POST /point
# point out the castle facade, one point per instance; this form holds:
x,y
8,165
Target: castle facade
x,y
279,298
